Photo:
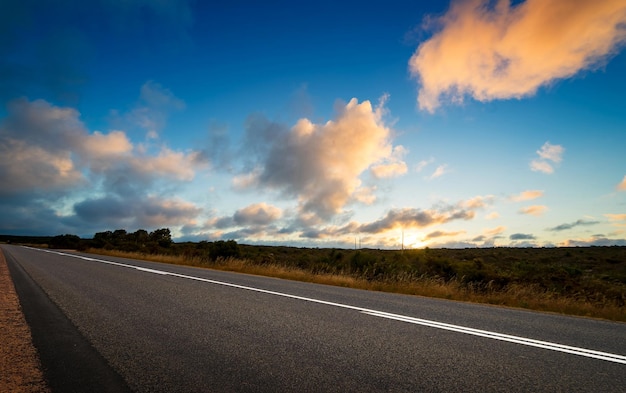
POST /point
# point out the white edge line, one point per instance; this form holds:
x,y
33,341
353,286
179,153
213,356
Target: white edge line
x,y
424,322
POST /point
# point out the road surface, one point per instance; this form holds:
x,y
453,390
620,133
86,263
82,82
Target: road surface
x,y
152,327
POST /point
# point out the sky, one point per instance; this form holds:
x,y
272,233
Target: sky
x,y
468,123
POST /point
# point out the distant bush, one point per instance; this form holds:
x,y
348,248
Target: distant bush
x,y
71,242
224,249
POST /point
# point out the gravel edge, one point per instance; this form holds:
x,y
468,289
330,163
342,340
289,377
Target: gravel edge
x,y
20,367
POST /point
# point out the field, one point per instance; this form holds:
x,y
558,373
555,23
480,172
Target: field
x,y
584,281
576,281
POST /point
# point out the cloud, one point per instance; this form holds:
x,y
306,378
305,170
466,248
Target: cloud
x,y
25,168
494,50
423,164
49,162
527,196
155,105
616,217
622,185
257,214
597,241
548,154
392,166
535,210
440,171
577,223
437,234
151,212
522,236
492,216
411,218
478,202
321,164
495,231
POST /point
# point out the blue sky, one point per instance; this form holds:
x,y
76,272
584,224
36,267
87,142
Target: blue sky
x,y
463,124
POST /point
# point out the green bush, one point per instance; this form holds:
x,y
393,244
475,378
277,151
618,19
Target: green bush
x,y
224,249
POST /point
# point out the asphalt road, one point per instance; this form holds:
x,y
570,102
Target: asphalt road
x,y
160,328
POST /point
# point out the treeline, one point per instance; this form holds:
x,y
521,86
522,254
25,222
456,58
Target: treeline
x,y
158,241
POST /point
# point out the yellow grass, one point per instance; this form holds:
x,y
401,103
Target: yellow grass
x,y
515,295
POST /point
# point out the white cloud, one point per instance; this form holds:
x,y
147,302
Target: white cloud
x,y
548,154
423,164
440,171
622,185
494,50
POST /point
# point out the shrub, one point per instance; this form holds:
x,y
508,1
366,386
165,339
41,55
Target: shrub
x,y
224,249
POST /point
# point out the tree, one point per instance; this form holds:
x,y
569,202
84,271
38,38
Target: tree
x,y
161,236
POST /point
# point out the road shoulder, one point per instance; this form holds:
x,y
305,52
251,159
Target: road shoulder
x,y
69,361
20,369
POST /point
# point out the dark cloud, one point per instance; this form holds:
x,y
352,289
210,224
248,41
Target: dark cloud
x,y
150,212
577,223
48,158
436,234
522,236
596,241
414,218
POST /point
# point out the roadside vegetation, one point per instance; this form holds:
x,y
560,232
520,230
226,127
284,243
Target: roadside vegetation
x,y
585,281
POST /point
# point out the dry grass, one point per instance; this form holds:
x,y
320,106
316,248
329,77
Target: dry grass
x,y
19,364
530,297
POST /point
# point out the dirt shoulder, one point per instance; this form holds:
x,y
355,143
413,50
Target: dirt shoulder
x,y
20,369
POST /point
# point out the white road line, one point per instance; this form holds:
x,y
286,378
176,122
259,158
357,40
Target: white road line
x,y
610,357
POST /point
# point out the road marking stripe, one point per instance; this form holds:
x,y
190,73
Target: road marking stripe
x,y
403,318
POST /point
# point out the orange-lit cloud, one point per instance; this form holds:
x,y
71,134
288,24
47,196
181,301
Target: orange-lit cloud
x,y
622,186
548,154
617,219
534,210
497,51
168,163
492,216
494,231
527,196
478,202
101,145
25,168
391,166
321,164
257,214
